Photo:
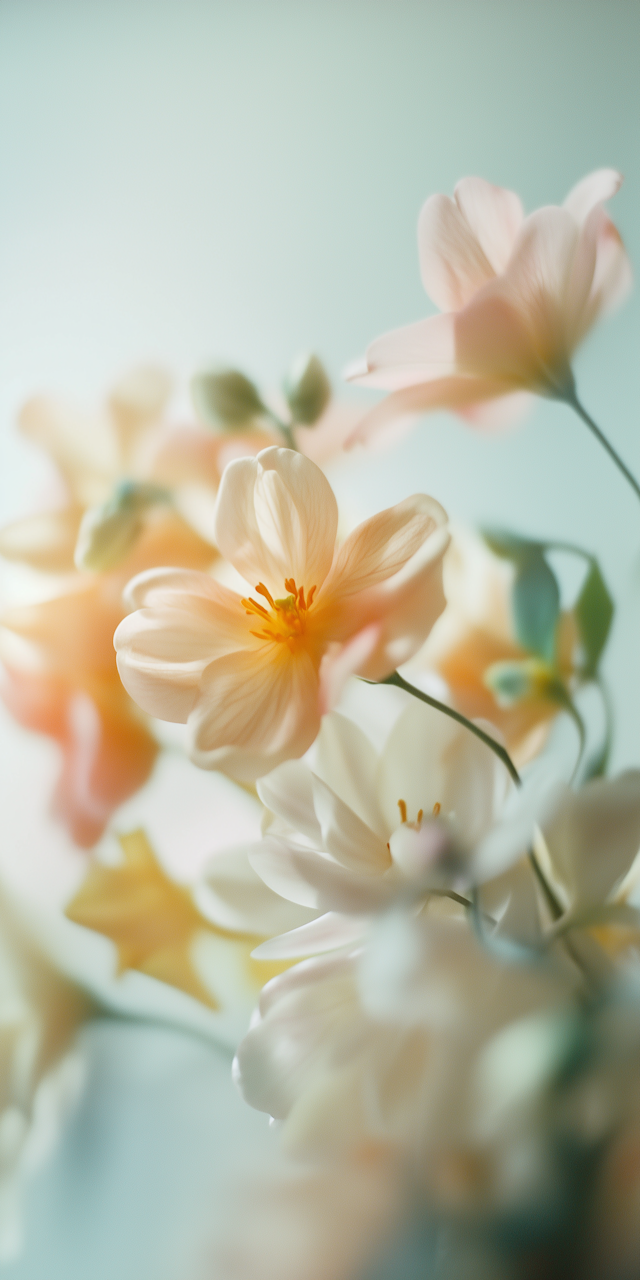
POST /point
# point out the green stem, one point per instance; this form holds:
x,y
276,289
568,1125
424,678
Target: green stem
x,y
396,679
285,430
572,399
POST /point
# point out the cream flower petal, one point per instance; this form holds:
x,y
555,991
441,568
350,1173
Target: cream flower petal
x,y
452,263
380,547
348,763
597,187
82,445
325,933
346,837
254,711
276,518
163,651
233,896
595,836
315,880
428,759
288,793
494,215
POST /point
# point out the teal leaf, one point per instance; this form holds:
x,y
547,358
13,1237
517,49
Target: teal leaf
x,y
510,546
307,389
536,606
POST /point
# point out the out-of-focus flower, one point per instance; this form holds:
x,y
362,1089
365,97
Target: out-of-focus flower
x,y
324,1222
476,632
40,1011
349,838
517,296
61,677
157,928
247,674
589,848
383,1045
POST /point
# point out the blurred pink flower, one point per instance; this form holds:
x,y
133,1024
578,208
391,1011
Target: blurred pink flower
x,y
245,673
517,296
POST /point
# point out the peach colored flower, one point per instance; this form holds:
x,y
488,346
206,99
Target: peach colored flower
x,y
474,632
517,296
247,672
62,679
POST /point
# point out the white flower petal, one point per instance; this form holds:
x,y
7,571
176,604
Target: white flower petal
x,y
233,896
597,187
325,933
346,837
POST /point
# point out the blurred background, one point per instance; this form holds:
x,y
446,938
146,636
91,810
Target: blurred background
x,y
189,181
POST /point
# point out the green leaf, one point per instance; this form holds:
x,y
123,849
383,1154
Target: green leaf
x,y
594,613
225,399
536,606
510,546
511,682
307,389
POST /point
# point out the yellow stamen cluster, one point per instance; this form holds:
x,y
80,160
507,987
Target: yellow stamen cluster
x,y
286,619
402,805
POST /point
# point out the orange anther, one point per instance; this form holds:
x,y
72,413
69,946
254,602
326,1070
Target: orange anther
x,y
436,808
402,805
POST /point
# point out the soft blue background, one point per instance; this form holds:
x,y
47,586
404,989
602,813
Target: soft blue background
x,y
190,180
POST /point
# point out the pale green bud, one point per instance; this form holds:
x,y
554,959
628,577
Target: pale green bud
x,y
225,399
109,532
307,389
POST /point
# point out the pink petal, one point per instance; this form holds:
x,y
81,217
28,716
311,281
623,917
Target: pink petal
x,y
452,262
277,518
254,710
387,421
613,275
415,353
597,187
494,215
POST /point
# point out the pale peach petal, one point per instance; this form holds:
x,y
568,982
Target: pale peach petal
x,y
498,414
407,607
419,352
45,541
494,215
381,546
597,187
163,651
255,710
452,263
613,275
276,518
381,423
164,588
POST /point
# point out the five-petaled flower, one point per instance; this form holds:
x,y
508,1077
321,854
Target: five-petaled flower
x,y
252,676
517,296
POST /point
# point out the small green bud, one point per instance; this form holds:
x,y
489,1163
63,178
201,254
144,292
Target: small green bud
x,y
307,389
225,399
109,532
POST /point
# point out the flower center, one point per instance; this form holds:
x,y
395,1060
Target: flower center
x,y
285,621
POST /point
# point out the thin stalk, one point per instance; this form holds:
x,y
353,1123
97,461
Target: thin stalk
x,y
285,430
396,679
572,399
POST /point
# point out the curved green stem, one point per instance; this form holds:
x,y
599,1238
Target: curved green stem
x,y
285,430
396,679
572,399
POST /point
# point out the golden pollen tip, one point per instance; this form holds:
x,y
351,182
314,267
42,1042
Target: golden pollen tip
x,y
419,817
402,805
436,808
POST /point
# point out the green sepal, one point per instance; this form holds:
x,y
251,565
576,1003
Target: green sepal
x,y
225,399
594,611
